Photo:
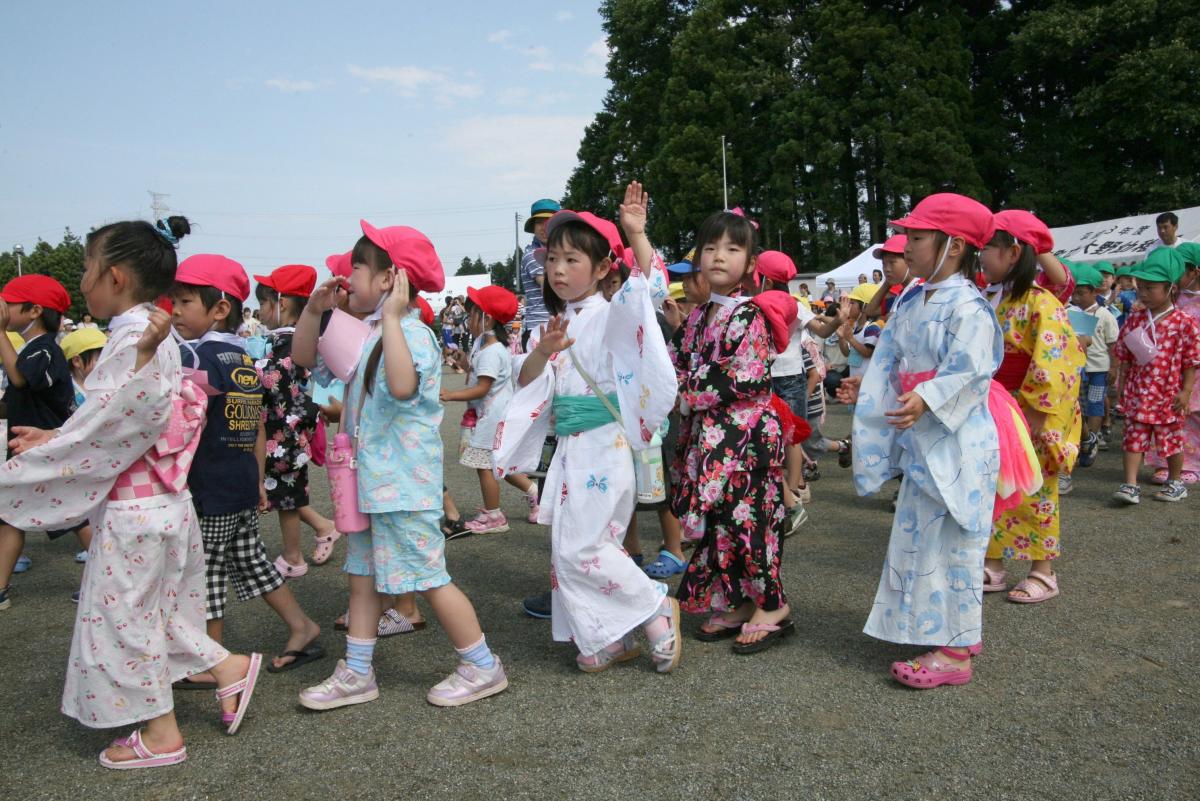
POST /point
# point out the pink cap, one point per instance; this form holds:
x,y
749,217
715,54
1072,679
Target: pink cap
x,y
219,272
956,215
780,310
425,311
1026,228
411,251
600,226
339,264
775,265
894,244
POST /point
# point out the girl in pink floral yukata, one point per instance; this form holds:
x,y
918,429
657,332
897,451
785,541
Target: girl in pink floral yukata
x,y
124,467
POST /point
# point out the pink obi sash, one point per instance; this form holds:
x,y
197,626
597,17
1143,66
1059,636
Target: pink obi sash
x,y
1020,471
164,468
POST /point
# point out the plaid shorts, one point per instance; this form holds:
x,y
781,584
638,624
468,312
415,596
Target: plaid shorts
x,y
1168,437
233,548
1092,390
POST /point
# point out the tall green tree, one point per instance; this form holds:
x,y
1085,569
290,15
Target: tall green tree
x,y
63,262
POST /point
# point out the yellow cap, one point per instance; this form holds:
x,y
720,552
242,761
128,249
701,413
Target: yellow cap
x,y
15,339
863,293
676,290
81,341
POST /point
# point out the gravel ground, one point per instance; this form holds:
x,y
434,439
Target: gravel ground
x,y
1090,696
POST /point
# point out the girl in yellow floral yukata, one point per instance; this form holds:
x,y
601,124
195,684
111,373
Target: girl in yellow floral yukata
x,y
1041,367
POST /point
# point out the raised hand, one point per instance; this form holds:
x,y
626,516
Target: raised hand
x,y
325,297
157,331
847,391
633,209
554,336
396,304
4,314
672,313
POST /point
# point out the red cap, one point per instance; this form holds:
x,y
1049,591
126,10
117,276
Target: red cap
x,y
600,226
425,309
1026,228
956,215
411,251
775,265
894,244
339,264
40,289
206,269
291,279
496,302
780,310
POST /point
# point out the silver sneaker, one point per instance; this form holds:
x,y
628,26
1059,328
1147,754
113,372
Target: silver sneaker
x,y
468,683
343,688
1128,493
1172,492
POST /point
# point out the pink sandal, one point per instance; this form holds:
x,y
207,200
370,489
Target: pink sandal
x,y
930,670
243,687
324,548
288,570
1035,592
994,580
143,756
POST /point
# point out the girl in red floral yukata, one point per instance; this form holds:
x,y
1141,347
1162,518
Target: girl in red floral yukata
x,y
730,452
1159,351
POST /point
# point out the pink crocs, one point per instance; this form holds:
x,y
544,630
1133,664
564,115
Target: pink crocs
x,y
931,670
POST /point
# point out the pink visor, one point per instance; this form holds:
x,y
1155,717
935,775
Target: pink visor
x,y
1025,227
411,251
219,272
894,244
956,215
775,265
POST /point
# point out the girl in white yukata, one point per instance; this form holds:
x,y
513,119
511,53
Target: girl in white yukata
x,y
488,391
123,465
599,596
922,411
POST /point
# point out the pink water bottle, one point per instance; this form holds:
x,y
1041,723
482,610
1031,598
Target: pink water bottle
x,y
343,487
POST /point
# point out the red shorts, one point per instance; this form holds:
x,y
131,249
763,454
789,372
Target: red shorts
x,y
1168,437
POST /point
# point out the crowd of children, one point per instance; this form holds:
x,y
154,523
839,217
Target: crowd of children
x,y
981,370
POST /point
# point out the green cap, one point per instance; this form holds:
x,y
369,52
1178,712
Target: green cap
x,y
1163,264
1086,275
1190,251
1104,267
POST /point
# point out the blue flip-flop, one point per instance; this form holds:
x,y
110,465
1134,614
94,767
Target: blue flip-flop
x,y
666,565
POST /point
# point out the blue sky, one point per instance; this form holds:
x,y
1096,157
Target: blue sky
x,y
275,126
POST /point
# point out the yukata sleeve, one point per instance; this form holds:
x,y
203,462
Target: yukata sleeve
x,y
58,484
1056,358
1061,291
964,373
526,424
739,367
643,371
1190,337
876,452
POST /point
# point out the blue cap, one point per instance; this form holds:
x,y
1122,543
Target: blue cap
x,y
541,210
681,268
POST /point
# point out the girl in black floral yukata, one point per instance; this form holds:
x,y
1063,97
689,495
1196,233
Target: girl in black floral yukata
x,y
729,459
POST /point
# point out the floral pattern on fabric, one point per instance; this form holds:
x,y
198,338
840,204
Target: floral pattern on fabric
x,y
729,460
1189,305
290,420
1150,389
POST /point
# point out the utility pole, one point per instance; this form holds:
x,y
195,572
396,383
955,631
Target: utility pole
x,y
724,179
516,251
18,251
157,206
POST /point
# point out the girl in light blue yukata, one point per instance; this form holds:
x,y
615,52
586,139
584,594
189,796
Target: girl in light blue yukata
x,y
922,411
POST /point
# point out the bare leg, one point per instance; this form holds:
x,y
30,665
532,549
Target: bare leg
x,y
455,613
406,605
490,490
794,467
1175,466
366,605
302,629
1132,462
84,535
672,534
289,526
449,509
520,481
316,521
632,543
12,542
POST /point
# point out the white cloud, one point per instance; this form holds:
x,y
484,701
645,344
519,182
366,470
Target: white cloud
x,y
526,154
500,36
525,97
563,16
411,81
595,58
287,85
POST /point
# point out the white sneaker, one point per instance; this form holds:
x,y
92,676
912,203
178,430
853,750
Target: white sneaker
x,y
343,688
81,557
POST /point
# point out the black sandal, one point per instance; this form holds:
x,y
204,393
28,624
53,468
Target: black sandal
x,y
453,529
845,457
309,653
785,629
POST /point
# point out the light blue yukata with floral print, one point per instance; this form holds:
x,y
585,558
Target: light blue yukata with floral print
x,y
948,343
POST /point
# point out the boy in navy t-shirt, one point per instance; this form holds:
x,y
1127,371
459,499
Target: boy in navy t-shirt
x,y
226,474
39,392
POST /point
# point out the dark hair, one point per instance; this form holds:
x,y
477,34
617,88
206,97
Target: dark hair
x,y
1020,280
1167,217
969,265
89,356
581,236
376,258
499,329
148,251
209,297
725,223
50,319
294,303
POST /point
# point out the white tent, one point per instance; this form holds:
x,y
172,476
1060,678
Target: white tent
x,y
1122,241
846,276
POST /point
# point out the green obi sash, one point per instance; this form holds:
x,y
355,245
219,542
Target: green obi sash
x,y
576,413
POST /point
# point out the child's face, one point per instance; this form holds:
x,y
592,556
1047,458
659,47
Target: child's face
x,y
189,316
81,369
997,262
1084,296
1106,282
922,252
367,288
268,311
478,323
1154,295
1191,279
101,288
1125,283
571,273
611,284
19,319
895,270
724,264
696,288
